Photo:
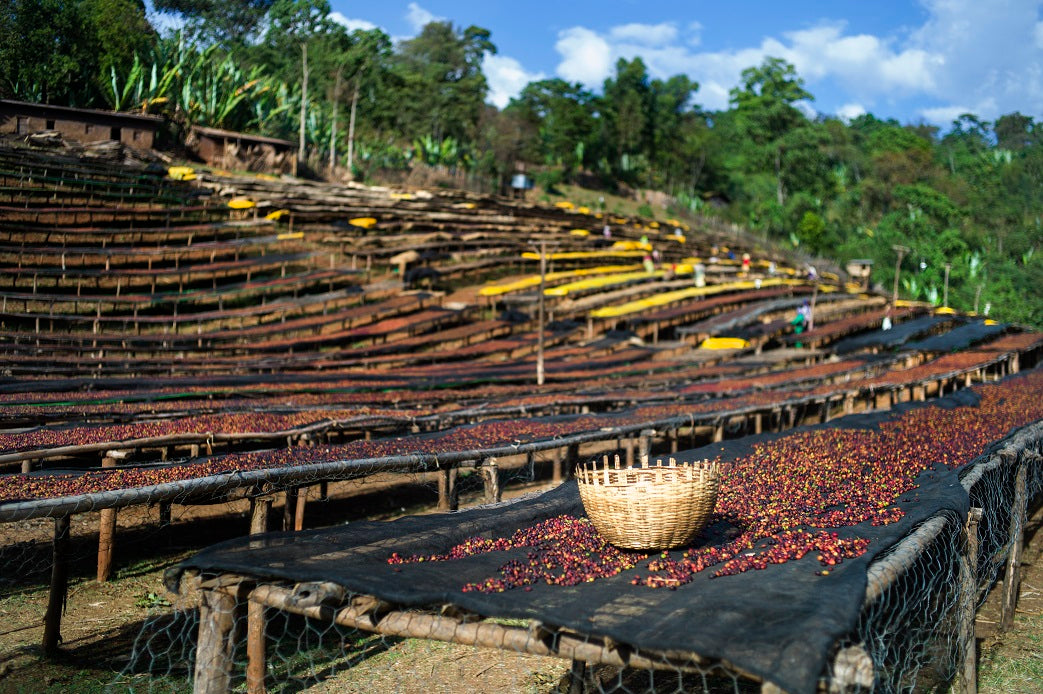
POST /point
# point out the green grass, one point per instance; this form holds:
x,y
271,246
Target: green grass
x,y
1017,664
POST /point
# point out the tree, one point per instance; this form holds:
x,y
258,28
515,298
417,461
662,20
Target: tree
x,y
220,21
764,105
563,117
628,109
442,85
297,22
45,54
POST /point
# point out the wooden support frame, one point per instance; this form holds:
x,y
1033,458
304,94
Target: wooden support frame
x,y
59,589
490,471
448,496
967,678
1018,518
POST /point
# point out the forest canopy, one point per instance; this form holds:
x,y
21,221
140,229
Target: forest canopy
x,y
970,197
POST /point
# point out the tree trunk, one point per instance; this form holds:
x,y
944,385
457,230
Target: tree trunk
x,y
351,126
304,98
333,125
779,195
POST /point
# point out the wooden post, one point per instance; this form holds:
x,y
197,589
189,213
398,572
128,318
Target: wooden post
x,y
556,471
967,679
491,480
259,506
853,671
255,648
216,646
672,435
107,525
289,509
718,431
571,460
758,423
447,493
644,444
52,620
298,514
1012,575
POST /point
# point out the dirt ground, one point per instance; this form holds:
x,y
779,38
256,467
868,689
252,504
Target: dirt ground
x,y
103,621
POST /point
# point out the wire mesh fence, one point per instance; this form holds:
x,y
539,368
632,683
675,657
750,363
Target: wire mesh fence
x,y
914,632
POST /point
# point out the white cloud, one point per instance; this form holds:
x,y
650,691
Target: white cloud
x,y
644,34
506,78
352,24
849,112
944,115
695,34
989,55
418,17
586,56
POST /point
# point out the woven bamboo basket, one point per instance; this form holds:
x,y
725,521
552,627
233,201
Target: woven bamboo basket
x,y
656,506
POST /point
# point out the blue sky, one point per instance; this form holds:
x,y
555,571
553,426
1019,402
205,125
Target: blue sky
x,y
912,60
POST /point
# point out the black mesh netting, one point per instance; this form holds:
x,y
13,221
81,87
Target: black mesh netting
x,y
890,339
959,337
780,624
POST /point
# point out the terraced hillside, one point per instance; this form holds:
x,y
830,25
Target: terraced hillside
x,y
189,345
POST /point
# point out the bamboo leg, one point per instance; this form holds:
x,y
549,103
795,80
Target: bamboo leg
x,y
59,586
106,532
556,471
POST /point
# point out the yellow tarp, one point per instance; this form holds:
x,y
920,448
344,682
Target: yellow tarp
x,y
631,246
364,222
600,282
241,203
580,255
534,280
276,215
724,343
181,173
667,298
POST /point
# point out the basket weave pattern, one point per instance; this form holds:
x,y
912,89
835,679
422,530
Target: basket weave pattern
x,y
650,507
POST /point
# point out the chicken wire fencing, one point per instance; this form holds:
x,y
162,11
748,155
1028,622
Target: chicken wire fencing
x,y
914,632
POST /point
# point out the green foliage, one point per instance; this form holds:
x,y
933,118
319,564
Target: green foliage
x,y
969,197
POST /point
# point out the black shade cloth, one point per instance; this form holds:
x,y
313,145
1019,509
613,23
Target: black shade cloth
x,y
959,338
779,623
889,339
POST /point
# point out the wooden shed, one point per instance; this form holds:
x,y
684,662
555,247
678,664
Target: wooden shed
x,y
235,150
79,124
